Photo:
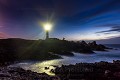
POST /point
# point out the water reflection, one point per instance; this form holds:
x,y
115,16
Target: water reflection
x,y
99,56
40,66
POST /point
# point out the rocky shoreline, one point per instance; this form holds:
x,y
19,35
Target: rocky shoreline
x,y
80,71
90,71
16,73
12,50
16,49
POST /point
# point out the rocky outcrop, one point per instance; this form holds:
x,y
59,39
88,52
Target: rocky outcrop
x,y
90,71
97,47
15,73
19,49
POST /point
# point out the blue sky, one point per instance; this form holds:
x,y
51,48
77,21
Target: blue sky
x,y
72,19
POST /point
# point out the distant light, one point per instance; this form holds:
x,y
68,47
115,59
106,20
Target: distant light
x,y
47,26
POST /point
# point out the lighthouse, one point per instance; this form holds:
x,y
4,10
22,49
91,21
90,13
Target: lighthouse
x,y
47,28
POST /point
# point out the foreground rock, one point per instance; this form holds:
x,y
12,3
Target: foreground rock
x,y
14,73
90,71
79,71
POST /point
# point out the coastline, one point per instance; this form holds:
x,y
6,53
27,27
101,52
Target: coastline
x,y
16,49
87,71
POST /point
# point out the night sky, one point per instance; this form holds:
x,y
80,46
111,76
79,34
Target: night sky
x,y
72,19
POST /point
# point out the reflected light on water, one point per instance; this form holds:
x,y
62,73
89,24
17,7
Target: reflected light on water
x,y
40,66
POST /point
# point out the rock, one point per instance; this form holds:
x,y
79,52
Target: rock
x,y
97,47
89,71
107,72
4,75
16,73
46,68
117,74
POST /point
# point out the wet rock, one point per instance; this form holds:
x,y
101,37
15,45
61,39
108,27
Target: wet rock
x,y
90,71
4,75
15,73
46,68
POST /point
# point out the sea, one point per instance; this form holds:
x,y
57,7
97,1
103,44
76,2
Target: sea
x,y
39,66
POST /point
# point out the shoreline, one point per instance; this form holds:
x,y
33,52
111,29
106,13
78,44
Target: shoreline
x,y
39,65
16,49
103,70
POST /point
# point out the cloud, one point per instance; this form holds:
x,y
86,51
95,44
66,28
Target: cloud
x,y
112,35
91,11
114,28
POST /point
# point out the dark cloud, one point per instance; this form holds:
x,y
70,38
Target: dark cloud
x,y
115,28
90,10
65,10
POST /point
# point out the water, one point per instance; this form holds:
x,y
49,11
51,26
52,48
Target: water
x,y
39,66
113,45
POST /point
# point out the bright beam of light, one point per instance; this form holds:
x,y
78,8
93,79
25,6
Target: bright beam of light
x,y
47,26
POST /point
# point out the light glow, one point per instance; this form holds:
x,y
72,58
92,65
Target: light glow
x,y
47,26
